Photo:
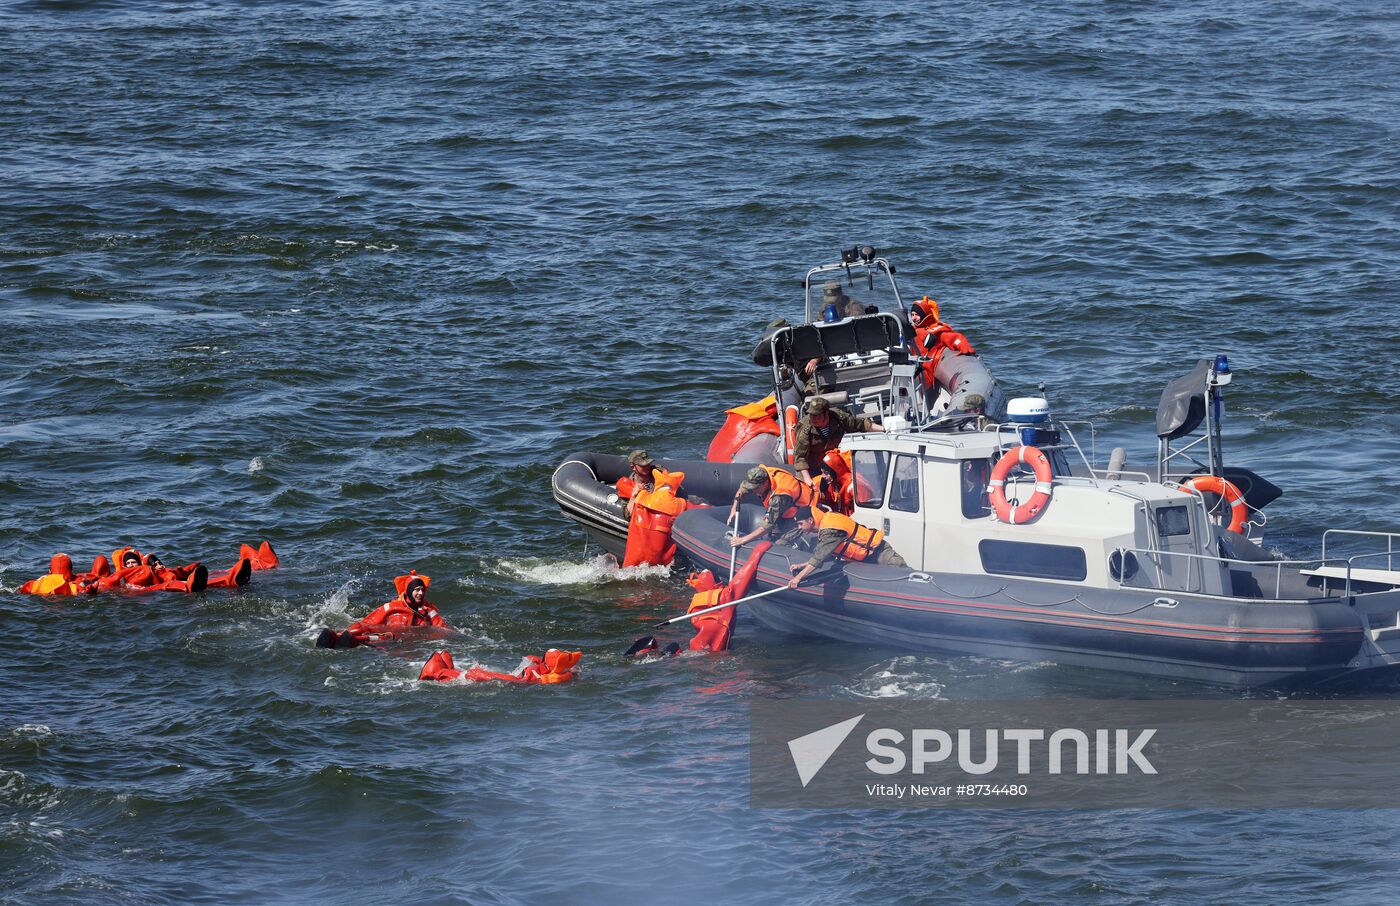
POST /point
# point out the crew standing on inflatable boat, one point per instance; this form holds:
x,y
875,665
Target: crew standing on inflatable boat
x,y
820,430
843,537
784,495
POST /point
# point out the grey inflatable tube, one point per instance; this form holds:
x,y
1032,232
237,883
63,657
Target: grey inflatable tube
x,y
584,487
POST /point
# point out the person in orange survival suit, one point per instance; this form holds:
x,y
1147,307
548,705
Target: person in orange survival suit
x,y
190,577
715,630
133,574
60,580
638,479
554,666
932,336
411,609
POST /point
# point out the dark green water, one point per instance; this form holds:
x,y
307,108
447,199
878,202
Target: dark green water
x,y
355,277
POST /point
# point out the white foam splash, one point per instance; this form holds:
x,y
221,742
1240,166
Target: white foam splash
x,y
34,731
903,677
595,571
256,465
335,605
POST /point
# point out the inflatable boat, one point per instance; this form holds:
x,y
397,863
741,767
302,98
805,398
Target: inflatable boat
x,y
1017,546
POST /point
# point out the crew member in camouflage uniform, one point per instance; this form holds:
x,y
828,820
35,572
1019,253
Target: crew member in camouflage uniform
x,y
841,536
820,430
792,494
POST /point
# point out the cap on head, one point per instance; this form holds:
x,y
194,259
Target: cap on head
x,y
818,405
757,475
639,458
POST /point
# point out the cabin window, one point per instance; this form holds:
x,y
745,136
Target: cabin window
x,y
1039,561
871,468
1173,521
904,489
975,475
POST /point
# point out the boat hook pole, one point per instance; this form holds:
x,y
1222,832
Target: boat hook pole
x,y
734,551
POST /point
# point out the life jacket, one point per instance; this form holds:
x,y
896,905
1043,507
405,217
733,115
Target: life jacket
x,y
781,481
653,513
554,667
861,541
743,424
400,612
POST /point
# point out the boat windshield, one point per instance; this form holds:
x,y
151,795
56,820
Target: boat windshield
x,y
835,291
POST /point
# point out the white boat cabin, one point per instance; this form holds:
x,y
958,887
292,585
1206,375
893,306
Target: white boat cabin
x,y
929,494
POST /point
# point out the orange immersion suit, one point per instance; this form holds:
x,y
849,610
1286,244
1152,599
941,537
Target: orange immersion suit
x,y
653,512
392,617
554,667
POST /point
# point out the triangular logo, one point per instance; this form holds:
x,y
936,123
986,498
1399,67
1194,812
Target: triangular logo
x,y
811,752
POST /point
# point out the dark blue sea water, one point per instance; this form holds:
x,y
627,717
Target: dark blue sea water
x,y
355,277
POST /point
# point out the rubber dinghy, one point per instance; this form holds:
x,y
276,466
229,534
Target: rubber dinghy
x,y
585,485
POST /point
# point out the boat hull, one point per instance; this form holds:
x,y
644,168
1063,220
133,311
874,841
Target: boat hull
x,y
1189,637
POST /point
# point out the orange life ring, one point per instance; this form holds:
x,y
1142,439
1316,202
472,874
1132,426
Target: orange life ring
x,y
1239,513
996,488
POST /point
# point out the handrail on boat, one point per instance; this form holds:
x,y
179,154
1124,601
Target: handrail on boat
x,y
1390,540
1278,566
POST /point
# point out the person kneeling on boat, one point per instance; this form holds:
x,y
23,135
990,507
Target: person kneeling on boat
x,y
783,495
411,609
820,430
841,536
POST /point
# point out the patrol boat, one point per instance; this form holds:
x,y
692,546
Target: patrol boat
x,y
1020,547
864,356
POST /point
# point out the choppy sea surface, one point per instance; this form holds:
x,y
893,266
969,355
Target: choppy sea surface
x,y
354,277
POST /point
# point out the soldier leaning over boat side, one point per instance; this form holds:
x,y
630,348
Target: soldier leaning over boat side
x,y
783,495
843,537
820,430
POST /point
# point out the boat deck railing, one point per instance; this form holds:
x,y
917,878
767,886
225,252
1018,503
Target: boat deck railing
x,y
1328,569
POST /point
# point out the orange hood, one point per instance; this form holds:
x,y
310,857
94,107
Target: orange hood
x,y
120,553
401,583
702,581
61,565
